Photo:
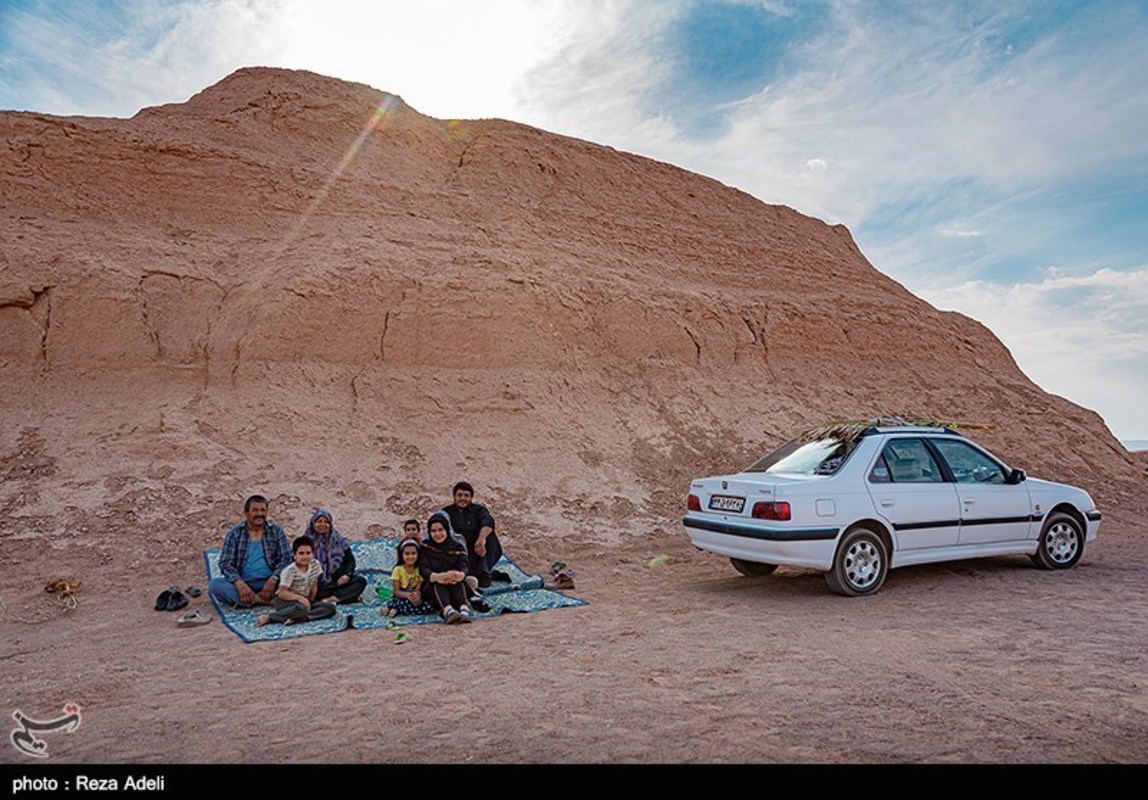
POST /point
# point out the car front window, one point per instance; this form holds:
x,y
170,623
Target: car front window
x,y
970,465
821,457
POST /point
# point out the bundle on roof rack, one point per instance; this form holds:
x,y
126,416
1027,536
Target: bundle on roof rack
x,y
850,430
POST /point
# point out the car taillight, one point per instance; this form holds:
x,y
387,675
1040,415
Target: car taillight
x,y
775,511
693,503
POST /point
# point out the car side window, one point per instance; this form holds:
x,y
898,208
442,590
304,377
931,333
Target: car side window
x,y
970,465
880,471
905,461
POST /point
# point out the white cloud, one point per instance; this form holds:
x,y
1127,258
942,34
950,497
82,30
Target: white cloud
x,y
958,231
446,58
1084,337
900,104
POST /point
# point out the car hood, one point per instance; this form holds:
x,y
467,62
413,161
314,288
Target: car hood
x,y
1043,487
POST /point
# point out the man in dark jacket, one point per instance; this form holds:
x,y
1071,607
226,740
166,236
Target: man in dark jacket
x,y
476,525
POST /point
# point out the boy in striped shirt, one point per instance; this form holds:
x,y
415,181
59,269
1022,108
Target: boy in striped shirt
x,y
298,585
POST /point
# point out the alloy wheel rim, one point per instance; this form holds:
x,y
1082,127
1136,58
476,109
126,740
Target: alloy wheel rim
x,y
862,564
1061,543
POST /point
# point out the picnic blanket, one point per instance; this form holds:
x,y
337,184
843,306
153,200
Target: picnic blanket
x,y
374,560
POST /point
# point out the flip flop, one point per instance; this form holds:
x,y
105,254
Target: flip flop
x,y
193,591
191,619
559,582
165,598
401,637
177,600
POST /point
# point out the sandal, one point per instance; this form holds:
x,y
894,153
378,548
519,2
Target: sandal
x,y
192,619
164,598
561,577
177,600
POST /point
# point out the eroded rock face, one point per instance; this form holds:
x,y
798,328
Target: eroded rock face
x,y
302,285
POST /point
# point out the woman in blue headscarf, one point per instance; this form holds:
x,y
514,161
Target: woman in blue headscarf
x,y
333,553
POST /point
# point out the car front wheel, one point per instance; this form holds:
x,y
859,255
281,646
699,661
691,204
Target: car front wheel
x,y
752,569
860,565
1061,543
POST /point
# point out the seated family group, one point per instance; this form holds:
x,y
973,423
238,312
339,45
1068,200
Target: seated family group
x,y
442,572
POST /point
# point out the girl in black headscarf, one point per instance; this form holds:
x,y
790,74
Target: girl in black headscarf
x,y
443,565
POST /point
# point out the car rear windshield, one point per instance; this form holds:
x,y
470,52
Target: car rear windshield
x,y
799,457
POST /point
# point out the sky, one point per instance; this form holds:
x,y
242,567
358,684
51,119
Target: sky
x,y
990,157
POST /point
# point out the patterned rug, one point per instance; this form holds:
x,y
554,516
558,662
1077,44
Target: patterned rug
x,y
374,560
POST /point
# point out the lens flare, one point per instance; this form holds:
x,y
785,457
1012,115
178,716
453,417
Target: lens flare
x,y
373,122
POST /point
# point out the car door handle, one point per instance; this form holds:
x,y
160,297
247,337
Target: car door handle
x,y
969,501
887,504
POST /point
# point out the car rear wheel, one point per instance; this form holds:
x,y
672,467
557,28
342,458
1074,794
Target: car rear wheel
x,y
1061,543
752,569
860,565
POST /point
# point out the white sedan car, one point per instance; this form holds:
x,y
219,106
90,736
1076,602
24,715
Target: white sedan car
x,y
856,501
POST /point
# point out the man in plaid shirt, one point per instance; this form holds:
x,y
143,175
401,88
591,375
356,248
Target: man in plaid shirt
x,y
251,574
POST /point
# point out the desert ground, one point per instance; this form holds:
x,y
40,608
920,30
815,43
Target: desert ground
x,y
682,662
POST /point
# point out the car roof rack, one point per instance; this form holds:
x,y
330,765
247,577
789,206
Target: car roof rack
x,y
851,430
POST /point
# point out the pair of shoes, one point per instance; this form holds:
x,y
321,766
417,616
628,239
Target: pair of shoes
x,y
479,605
192,619
450,616
171,599
561,577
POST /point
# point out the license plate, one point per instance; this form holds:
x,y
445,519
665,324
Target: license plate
x,y
721,502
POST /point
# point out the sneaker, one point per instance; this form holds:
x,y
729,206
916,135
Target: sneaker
x,y
479,605
464,615
450,616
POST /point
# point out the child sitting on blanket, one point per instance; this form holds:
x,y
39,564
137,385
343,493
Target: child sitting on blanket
x,y
410,531
406,598
298,585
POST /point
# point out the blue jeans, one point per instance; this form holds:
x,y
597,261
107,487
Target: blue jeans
x,y
225,592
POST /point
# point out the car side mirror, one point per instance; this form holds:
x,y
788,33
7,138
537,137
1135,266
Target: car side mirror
x,y
1016,476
